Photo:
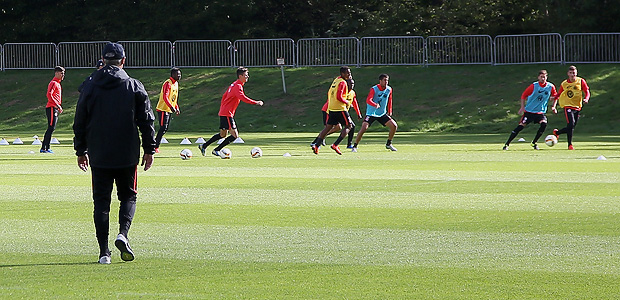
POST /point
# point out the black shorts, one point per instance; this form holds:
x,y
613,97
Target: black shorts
x,y
382,119
325,117
227,123
339,117
529,117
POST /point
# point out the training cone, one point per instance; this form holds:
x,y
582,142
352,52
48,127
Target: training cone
x,y
287,154
200,140
238,141
521,140
35,136
163,140
37,142
186,141
602,158
4,142
220,141
18,141
54,141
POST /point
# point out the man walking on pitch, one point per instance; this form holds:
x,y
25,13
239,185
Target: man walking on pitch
x,y
573,93
111,109
379,108
167,104
537,96
338,107
53,107
230,101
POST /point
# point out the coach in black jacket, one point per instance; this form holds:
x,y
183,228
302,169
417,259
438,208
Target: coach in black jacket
x,y
111,109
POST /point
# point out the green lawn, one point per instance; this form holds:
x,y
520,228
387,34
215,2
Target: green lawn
x,y
448,216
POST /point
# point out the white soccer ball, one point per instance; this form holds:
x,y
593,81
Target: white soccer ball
x,y
225,153
186,154
256,152
551,140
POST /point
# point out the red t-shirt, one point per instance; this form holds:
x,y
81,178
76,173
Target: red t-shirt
x,y
231,99
54,93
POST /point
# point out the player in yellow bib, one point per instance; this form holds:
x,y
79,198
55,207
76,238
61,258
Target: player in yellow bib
x,y
167,104
574,92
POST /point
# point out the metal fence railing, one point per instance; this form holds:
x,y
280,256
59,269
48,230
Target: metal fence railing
x,y
328,52
592,48
528,49
459,49
29,56
202,54
367,51
79,54
148,54
392,50
264,52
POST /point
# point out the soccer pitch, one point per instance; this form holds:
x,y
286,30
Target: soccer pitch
x,y
447,216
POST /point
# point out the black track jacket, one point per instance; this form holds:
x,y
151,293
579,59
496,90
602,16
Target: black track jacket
x,y
110,110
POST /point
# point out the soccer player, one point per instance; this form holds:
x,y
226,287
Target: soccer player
x,y
230,101
53,107
167,104
537,96
351,98
573,93
379,108
338,111
111,109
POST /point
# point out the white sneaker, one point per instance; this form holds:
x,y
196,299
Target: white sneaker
x,y
123,245
105,260
354,149
390,147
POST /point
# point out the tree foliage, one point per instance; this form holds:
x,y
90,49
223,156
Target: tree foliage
x,y
89,20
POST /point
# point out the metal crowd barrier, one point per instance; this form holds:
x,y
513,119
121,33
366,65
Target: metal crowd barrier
x,y
80,54
148,54
592,48
528,49
459,50
29,56
264,52
327,52
203,54
392,50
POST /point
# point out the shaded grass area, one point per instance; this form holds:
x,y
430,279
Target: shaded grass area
x,y
474,99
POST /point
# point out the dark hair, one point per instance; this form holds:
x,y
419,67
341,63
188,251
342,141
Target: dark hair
x,y
350,83
174,71
344,69
241,70
59,69
543,71
382,76
572,68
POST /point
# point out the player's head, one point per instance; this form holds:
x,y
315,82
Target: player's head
x,y
572,73
113,54
243,74
350,83
59,72
384,79
175,73
542,76
345,72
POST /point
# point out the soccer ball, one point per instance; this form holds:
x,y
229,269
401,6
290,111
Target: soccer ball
x,y
186,154
256,152
551,140
225,153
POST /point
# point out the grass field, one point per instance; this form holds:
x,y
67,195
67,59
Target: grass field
x,y
448,216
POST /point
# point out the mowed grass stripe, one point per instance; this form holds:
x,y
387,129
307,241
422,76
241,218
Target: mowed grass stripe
x,y
426,248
